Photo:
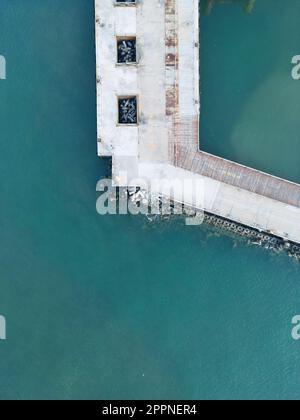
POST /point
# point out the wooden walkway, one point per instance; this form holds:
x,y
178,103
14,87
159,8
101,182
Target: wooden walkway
x,y
189,158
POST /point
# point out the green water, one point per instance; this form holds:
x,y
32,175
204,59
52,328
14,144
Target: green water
x,y
250,103
114,307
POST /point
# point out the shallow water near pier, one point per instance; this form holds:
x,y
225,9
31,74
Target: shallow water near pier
x,y
250,104
116,307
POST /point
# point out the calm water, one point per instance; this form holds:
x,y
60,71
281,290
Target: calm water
x,y
112,307
250,103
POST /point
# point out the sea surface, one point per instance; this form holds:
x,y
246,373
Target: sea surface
x,y
117,307
250,104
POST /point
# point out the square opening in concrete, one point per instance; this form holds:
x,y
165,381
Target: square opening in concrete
x,y
126,47
128,110
125,2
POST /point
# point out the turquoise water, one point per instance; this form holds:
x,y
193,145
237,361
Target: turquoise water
x,y
114,307
250,103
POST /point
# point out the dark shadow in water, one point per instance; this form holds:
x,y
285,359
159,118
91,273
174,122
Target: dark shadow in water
x,y
208,5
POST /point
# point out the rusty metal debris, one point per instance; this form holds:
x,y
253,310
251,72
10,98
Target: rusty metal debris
x,y
126,51
128,110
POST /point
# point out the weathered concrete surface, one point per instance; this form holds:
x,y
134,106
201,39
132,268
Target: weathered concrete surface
x,y
233,203
167,52
114,80
165,143
153,140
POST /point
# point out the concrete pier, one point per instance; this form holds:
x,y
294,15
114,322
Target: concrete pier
x,y
161,140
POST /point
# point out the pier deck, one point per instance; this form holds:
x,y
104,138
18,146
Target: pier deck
x,y
239,176
164,143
